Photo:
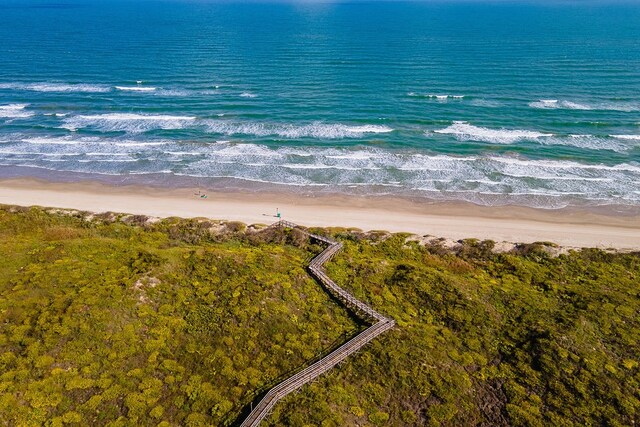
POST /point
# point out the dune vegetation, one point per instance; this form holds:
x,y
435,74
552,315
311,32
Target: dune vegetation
x,y
124,320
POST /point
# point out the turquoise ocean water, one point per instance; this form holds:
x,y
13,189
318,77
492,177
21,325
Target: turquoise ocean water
x,y
530,104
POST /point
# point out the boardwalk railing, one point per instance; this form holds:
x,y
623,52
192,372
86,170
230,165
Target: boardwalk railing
x,y
380,324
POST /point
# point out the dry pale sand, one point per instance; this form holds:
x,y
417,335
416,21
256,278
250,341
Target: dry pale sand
x,y
450,220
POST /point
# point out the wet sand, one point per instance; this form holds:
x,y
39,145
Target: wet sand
x,y
453,220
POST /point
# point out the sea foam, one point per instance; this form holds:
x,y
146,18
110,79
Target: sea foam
x,y
468,132
464,131
55,141
454,177
15,111
555,104
588,142
56,87
136,88
442,97
627,137
290,131
127,122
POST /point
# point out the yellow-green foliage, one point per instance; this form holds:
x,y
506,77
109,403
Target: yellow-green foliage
x,y
110,323
485,339
182,322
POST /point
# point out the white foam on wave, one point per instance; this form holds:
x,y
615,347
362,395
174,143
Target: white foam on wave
x,y
438,164
56,87
136,88
174,92
299,183
357,166
163,171
163,92
352,155
559,178
589,142
183,153
209,92
314,130
110,154
15,111
305,166
442,97
107,160
59,87
470,175
130,116
248,95
90,142
468,132
138,123
54,141
368,129
575,106
554,104
533,166
128,122
139,144
627,137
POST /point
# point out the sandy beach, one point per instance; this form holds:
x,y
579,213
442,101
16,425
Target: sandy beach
x,y
565,227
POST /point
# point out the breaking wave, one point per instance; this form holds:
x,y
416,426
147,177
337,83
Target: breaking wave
x,y
589,142
482,179
56,87
313,130
627,137
468,132
464,131
553,104
56,141
15,111
136,88
434,96
134,123
138,123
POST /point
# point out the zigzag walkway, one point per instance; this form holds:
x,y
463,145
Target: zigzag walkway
x,y
380,324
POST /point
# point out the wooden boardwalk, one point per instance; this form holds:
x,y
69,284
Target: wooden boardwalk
x,y
379,324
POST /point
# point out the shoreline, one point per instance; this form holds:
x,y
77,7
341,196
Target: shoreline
x,y
569,227
234,185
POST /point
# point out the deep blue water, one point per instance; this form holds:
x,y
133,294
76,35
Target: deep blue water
x,y
492,103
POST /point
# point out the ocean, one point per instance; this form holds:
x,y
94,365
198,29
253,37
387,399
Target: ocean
x,y
500,103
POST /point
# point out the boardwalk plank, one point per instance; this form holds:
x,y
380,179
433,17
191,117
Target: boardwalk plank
x,y
379,325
